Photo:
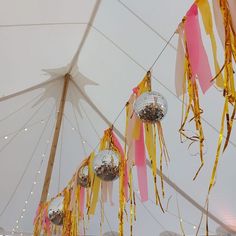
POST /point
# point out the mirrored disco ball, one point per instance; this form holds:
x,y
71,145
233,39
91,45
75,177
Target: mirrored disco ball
x,y
106,165
150,107
83,177
55,211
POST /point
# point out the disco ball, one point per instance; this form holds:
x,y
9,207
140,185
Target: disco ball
x,y
83,176
106,165
150,107
55,211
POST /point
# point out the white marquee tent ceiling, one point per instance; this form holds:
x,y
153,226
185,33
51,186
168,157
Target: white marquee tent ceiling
x,y
39,35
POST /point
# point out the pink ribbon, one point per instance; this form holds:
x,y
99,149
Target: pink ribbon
x,y
81,200
140,162
197,54
120,149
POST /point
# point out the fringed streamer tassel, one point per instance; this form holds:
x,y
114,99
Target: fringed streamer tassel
x,y
121,197
38,220
110,141
194,106
135,131
123,183
163,153
135,147
229,86
189,34
131,201
66,230
150,139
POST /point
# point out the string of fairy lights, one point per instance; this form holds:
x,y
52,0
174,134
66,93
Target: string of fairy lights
x,y
37,174
43,157
35,181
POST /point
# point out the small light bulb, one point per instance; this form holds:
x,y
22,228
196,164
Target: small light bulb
x,y
43,155
84,142
32,193
24,210
38,171
17,221
194,227
26,202
73,128
22,217
35,182
17,226
25,129
181,220
5,137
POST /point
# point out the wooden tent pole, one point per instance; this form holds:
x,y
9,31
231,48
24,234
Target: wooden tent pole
x,y
55,140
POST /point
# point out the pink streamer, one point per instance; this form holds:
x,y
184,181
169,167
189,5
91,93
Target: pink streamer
x,y
81,200
118,145
197,54
219,21
180,61
140,162
232,9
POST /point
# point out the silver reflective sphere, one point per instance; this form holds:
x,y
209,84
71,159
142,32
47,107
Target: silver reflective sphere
x,y
150,107
55,211
106,165
83,177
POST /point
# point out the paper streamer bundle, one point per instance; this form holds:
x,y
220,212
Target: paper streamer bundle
x,y
74,197
191,66
110,142
225,12
141,136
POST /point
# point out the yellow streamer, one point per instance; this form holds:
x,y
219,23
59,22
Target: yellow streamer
x,y
207,21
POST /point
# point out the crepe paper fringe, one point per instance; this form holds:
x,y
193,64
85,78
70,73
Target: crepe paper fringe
x,y
227,9
139,138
